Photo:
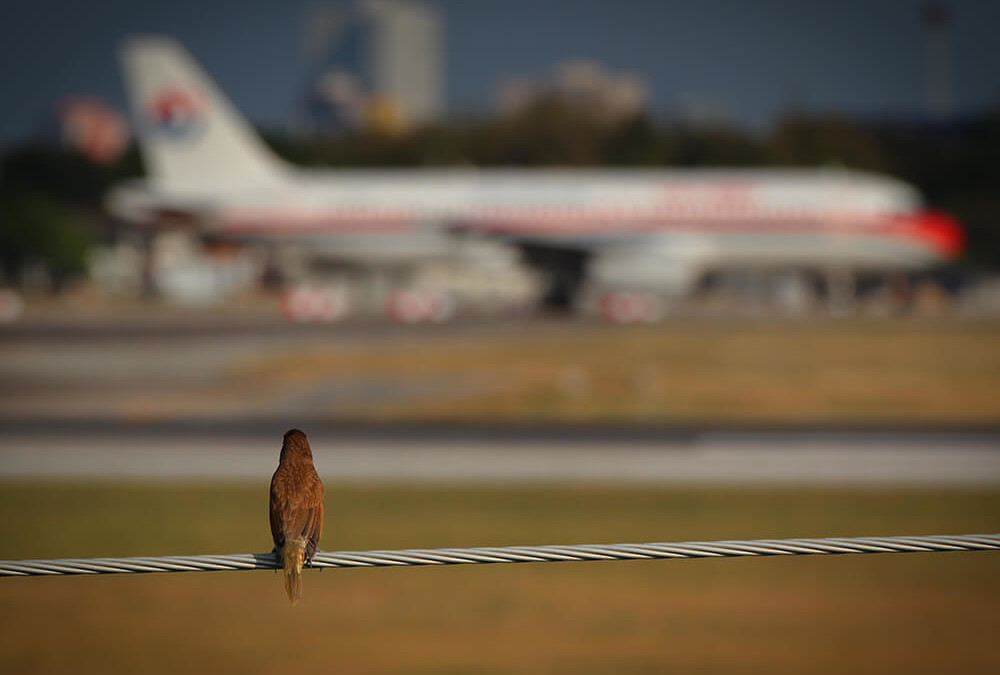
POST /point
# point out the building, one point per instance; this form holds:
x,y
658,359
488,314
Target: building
x,y
376,63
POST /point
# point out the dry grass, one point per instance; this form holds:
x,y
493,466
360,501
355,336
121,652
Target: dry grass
x,y
830,372
890,613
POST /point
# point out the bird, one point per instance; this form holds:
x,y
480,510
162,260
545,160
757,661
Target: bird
x,y
296,510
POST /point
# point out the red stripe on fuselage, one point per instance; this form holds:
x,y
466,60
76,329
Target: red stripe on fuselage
x,y
937,230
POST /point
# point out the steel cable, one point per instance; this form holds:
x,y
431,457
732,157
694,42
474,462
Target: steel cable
x,y
509,554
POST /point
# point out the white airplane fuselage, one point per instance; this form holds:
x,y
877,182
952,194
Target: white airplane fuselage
x,y
806,217
650,229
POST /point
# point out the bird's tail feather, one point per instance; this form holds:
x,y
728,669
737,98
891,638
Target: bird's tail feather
x,y
293,555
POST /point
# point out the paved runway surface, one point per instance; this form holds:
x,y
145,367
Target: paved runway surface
x,y
75,394
164,365
772,457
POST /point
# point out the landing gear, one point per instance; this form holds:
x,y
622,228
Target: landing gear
x,y
307,304
631,307
420,306
842,294
564,273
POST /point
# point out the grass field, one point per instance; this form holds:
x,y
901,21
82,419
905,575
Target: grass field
x,y
831,372
858,614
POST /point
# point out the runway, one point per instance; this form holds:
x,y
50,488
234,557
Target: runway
x,y
184,397
735,457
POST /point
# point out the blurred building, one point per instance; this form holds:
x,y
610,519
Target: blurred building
x,y
375,63
587,84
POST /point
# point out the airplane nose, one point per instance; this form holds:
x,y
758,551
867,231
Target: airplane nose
x,y
939,230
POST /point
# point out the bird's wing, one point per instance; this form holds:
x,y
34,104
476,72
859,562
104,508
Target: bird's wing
x,y
297,512
315,529
275,516
304,522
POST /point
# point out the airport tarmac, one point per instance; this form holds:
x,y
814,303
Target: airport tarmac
x,y
182,364
793,457
158,398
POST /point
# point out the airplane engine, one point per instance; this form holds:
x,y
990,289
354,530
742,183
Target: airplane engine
x,y
668,266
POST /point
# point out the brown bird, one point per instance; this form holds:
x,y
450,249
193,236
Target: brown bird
x,y
296,509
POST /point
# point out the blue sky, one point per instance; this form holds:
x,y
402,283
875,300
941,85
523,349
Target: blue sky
x,y
753,57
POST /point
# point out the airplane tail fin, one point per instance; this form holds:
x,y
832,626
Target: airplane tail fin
x,y
190,135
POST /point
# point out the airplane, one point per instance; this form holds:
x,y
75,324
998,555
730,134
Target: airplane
x,y
626,237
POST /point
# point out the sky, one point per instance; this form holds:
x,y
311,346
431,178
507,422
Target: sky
x,y
751,58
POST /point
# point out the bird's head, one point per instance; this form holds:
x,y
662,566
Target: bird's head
x,y
295,444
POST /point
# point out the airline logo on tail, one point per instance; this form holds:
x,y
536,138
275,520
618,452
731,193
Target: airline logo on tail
x,y
175,113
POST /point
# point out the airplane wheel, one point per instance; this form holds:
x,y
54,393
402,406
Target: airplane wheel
x,y
419,306
310,305
630,307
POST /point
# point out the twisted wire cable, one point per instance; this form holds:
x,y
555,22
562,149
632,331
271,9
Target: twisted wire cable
x,y
509,554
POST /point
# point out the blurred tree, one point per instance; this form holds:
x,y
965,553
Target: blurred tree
x,y
50,209
549,132
717,146
34,229
802,140
65,176
636,141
